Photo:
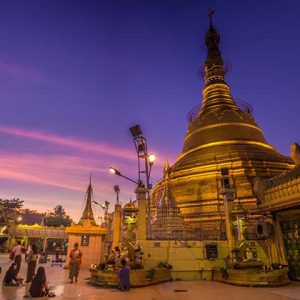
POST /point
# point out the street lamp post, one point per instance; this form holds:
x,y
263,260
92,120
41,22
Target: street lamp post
x,y
117,220
145,163
140,144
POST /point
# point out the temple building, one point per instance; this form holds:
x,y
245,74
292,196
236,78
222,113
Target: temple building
x,y
279,198
221,136
90,237
228,209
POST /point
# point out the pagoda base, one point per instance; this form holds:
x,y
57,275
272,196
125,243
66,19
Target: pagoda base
x,y
138,278
252,277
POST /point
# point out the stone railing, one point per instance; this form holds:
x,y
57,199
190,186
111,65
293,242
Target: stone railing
x,y
282,189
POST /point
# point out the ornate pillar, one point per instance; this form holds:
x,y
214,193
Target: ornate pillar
x,y
117,226
141,197
279,241
45,245
228,195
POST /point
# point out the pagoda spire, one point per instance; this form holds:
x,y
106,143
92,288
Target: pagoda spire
x,y
167,199
216,93
212,40
167,168
88,211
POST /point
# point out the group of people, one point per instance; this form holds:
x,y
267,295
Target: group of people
x,y
116,256
36,279
120,260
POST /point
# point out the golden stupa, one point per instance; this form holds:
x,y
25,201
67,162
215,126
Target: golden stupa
x,y
221,136
168,222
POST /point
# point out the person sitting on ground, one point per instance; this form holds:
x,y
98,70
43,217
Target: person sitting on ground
x,y
124,276
11,277
39,287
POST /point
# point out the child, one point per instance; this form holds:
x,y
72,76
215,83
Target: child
x,y
124,276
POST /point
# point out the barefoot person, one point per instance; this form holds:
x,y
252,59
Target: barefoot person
x,y
39,287
11,277
17,250
75,262
124,276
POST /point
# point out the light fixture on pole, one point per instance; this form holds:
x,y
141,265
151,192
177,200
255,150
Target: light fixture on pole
x,y
145,163
117,172
117,191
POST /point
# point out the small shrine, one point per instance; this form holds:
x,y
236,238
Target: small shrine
x,y
168,222
89,236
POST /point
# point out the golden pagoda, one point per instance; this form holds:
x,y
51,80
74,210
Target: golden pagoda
x,y
221,136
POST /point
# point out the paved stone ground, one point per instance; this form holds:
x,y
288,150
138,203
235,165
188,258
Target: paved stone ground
x,y
58,280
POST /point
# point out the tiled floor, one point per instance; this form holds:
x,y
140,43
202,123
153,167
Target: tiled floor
x,y
178,290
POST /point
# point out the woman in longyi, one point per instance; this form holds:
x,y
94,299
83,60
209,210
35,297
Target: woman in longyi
x,y
75,262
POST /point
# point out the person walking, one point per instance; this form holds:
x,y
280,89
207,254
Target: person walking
x,y
17,250
31,259
75,262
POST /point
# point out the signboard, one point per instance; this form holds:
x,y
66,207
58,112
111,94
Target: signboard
x,y
85,240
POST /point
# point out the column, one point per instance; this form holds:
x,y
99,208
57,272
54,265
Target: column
x,y
279,241
141,197
117,226
45,245
228,197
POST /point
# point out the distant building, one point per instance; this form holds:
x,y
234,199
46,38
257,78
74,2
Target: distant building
x,y
32,218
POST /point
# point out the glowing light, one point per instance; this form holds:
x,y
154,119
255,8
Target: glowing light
x,y
151,158
112,170
115,171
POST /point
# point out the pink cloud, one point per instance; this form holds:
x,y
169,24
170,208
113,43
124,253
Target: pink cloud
x,y
21,72
69,172
50,179
74,143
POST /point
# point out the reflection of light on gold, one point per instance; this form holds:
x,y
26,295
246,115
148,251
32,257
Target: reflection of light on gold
x,y
225,143
129,220
221,125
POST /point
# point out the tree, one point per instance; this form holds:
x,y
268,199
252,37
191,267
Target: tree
x,y
28,211
10,210
59,211
58,217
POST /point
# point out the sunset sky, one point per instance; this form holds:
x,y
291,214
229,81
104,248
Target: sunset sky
x,y
75,75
